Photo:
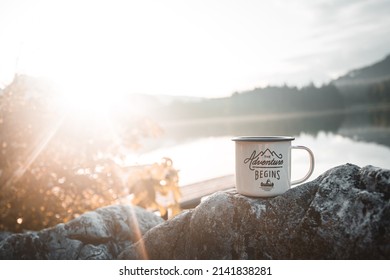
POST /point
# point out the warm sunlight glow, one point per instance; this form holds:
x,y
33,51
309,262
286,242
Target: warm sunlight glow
x,y
85,103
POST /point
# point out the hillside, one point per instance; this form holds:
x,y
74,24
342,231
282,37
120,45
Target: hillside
x,y
260,101
366,85
374,73
370,84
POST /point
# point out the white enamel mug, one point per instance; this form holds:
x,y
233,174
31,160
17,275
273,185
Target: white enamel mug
x,y
263,165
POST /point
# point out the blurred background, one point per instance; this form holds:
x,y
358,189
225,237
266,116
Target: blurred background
x,y
107,102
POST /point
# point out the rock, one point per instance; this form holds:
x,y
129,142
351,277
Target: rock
x,y
343,214
100,234
4,235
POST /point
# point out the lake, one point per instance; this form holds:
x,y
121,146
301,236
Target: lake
x,y
202,149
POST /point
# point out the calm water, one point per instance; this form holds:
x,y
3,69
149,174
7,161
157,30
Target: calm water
x,y
203,149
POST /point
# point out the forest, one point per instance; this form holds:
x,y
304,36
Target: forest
x,y
365,86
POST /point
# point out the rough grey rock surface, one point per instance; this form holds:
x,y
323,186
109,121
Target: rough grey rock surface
x,y
343,214
100,234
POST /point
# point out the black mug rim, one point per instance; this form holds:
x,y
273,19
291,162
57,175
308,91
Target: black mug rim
x,y
263,138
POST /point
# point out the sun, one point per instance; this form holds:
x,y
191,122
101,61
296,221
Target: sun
x,y
82,100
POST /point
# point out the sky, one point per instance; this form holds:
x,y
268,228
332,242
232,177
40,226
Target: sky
x,y
197,48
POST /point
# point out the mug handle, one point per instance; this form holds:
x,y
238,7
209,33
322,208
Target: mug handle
x,y
311,164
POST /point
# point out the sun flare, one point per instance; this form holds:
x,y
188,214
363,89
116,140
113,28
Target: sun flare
x,y
85,104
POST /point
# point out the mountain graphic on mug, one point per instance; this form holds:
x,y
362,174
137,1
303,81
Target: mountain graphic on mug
x,y
263,165
267,186
269,153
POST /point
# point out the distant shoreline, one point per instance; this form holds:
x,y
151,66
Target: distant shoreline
x,y
276,116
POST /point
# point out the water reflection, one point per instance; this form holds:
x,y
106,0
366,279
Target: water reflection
x,y
367,126
332,150
203,149
255,125
211,157
370,125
